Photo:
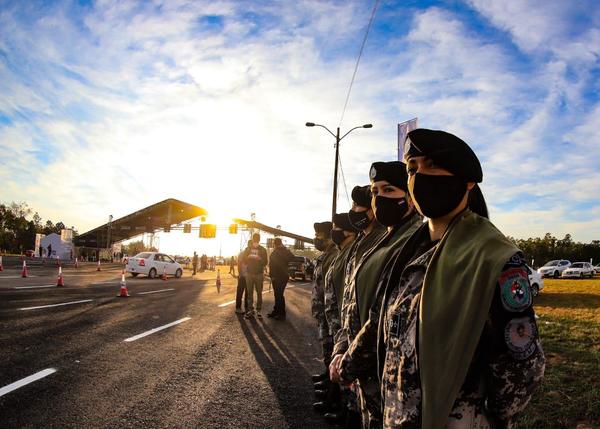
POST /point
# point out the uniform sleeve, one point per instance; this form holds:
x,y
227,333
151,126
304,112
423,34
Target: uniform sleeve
x,y
516,361
318,303
331,307
361,357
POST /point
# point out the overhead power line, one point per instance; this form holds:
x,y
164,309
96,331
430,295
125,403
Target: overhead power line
x,y
362,47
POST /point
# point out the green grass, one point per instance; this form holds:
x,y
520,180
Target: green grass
x,y
569,325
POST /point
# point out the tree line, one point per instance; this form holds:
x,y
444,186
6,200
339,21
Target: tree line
x,y
19,224
547,248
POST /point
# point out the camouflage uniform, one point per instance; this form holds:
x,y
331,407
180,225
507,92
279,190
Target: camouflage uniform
x,y
507,367
322,265
359,363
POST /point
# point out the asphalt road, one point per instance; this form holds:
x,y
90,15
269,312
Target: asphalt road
x,y
177,357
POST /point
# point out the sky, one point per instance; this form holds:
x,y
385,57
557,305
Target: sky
x,y
110,106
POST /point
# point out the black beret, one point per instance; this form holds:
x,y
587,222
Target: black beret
x,y
446,150
323,227
393,172
361,195
342,221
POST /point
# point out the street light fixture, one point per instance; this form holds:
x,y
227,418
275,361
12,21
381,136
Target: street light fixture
x,y
337,157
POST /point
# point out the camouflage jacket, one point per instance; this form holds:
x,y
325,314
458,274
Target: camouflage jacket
x,y
322,265
507,367
334,282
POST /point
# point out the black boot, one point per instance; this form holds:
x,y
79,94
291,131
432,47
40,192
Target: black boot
x,y
319,377
321,385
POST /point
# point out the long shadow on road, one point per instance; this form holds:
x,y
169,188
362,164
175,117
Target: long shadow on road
x,y
285,373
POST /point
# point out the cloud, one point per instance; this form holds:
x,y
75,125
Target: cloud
x,y
117,105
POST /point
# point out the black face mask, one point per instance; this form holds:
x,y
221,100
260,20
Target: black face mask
x,y
338,236
436,196
319,244
390,211
359,220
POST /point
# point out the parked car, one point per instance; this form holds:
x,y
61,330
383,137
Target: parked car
x,y
535,280
554,268
597,269
579,270
299,267
153,264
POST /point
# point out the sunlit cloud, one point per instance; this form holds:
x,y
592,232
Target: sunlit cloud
x,y
110,106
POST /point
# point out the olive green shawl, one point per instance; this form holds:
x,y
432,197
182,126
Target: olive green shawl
x,y
371,265
456,297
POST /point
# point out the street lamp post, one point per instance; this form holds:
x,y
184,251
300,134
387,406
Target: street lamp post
x,y
337,157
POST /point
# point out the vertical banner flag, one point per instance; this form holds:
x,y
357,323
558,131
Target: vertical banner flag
x,y
403,129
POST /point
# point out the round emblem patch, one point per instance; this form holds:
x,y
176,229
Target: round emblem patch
x,y
515,291
520,335
372,172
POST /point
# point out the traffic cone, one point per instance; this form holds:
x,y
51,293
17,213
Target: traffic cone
x,y
123,293
24,272
1,267
164,274
98,269
61,281
218,281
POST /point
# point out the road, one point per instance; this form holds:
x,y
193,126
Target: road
x,y
174,354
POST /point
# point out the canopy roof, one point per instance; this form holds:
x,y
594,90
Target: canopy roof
x,y
163,214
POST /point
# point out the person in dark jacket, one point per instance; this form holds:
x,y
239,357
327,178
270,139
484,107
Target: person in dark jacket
x,y
256,261
278,270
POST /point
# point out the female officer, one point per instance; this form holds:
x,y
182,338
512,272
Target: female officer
x,y
393,209
458,341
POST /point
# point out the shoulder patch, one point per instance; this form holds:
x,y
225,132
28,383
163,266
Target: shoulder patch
x,y
515,261
520,335
515,292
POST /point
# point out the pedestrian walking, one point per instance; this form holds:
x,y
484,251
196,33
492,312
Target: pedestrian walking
x,y
241,292
50,250
194,263
458,340
232,264
256,261
279,273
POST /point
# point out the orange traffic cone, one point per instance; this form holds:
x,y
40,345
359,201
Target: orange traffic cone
x,y
24,272
218,281
164,274
1,267
123,293
98,269
61,281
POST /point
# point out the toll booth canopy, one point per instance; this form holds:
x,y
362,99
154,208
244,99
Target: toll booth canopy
x,y
160,215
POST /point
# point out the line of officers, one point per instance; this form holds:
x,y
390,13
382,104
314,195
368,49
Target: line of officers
x,y
424,308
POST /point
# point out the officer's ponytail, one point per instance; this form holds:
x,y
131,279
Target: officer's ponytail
x,y
477,203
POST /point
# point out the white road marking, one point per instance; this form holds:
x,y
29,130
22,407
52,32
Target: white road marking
x,y
152,331
56,305
34,287
27,380
225,304
16,277
154,291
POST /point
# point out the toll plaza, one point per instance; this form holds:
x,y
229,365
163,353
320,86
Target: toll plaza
x,y
162,215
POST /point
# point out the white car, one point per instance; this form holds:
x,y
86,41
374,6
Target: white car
x,y
153,264
554,268
535,280
579,270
